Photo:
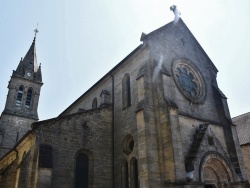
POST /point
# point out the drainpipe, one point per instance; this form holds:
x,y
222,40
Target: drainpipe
x,y
113,132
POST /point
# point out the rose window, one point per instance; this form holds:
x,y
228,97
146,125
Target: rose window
x,y
189,80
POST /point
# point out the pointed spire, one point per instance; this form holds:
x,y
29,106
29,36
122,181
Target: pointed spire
x,y
28,66
38,75
29,62
19,69
30,59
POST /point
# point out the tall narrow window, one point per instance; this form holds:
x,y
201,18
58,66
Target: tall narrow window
x,y
19,96
126,95
94,103
45,156
82,171
28,98
134,183
124,174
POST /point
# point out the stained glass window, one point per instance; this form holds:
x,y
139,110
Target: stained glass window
x,y
186,80
189,80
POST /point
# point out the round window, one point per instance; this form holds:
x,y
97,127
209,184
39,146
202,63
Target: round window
x,y
128,144
189,80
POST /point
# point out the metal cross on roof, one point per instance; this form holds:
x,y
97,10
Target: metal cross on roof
x,y
177,13
36,30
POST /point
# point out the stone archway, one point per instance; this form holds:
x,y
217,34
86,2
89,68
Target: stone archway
x,y
215,172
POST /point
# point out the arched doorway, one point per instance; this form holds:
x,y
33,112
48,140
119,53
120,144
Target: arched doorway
x,y
215,172
84,169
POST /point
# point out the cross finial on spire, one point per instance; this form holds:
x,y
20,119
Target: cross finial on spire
x,y
176,12
36,31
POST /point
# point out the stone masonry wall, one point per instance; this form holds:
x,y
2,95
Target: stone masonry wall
x,y
18,164
172,42
245,149
189,126
125,119
14,85
90,131
13,129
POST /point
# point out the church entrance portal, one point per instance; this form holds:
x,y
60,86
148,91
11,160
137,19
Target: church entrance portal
x,y
215,173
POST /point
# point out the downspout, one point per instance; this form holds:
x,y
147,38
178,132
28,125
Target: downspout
x,y
112,130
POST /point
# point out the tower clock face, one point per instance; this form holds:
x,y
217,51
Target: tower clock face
x,y
28,74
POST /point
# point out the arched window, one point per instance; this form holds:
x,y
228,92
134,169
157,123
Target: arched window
x,y
126,95
84,170
134,183
128,144
124,169
19,96
28,98
94,103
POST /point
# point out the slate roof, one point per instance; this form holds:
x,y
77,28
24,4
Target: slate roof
x,y
242,123
29,64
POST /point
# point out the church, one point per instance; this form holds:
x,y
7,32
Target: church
x,y
157,119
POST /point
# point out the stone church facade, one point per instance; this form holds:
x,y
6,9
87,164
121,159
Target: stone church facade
x,y
157,119
242,123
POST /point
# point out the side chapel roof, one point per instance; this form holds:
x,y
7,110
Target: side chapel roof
x,y
243,127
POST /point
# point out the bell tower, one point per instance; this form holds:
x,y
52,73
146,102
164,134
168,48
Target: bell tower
x,y
22,100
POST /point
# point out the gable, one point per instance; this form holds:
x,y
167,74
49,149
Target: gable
x,y
175,39
167,43
174,46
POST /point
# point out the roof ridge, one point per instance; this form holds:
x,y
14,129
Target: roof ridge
x,y
241,115
70,115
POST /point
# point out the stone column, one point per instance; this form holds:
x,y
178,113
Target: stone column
x,y
180,172
142,148
25,171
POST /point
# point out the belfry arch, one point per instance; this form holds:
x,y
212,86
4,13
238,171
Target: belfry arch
x,y
215,172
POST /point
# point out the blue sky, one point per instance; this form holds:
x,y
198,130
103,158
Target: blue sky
x,y
79,41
